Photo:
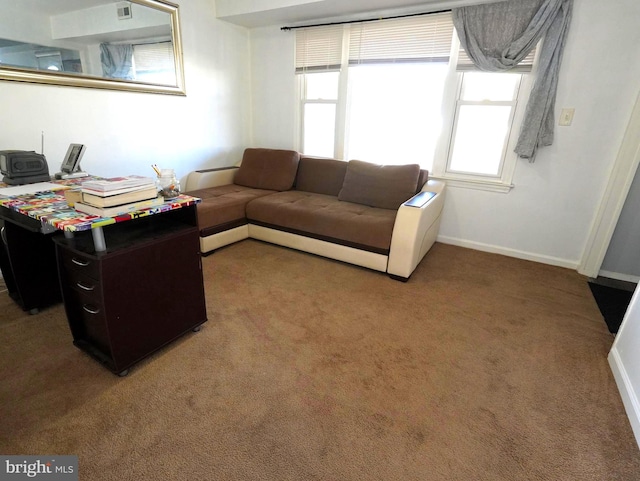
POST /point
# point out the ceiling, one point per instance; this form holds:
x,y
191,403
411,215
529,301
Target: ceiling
x,y
248,13
258,13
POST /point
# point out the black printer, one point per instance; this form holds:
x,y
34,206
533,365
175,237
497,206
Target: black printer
x,y
23,167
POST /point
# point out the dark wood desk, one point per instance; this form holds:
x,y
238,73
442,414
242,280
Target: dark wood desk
x,y
136,289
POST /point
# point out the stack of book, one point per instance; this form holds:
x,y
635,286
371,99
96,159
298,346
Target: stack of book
x,y
118,195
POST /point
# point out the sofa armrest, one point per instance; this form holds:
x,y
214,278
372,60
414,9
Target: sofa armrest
x,y
415,229
201,179
419,200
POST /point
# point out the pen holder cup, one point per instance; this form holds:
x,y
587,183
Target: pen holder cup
x,y
168,184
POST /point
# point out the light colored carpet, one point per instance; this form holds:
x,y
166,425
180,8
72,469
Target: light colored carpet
x,y
481,367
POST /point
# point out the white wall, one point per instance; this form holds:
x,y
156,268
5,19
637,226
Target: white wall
x,y
125,132
548,215
26,25
273,88
624,359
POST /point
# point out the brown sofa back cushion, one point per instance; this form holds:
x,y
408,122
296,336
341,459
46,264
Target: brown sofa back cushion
x,y
320,175
268,169
424,177
383,186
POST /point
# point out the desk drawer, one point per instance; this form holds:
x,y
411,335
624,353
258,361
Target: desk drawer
x,y
78,263
88,318
84,284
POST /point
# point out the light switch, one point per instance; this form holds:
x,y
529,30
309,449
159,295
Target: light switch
x,y
566,116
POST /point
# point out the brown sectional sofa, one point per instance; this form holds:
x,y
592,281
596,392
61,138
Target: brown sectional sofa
x,y
381,217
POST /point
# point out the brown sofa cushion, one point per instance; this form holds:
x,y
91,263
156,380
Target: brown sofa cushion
x,y
383,186
269,169
424,177
223,205
320,175
325,217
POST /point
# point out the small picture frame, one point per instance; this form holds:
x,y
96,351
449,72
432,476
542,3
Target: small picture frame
x,y
71,162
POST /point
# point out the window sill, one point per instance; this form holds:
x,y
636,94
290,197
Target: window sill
x,y
476,184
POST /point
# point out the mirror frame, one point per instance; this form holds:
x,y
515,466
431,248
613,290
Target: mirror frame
x,y
70,80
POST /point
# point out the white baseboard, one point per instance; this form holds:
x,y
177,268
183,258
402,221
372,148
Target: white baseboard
x,y
627,394
620,277
528,256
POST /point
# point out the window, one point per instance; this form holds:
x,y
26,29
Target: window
x,y
154,63
387,92
319,108
394,112
482,123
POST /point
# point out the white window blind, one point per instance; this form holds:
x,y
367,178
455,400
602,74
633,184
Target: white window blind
x,y
319,48
465,63
153,57
423,38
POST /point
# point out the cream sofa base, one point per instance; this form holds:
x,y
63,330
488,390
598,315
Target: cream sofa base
x,y
210,243
319,247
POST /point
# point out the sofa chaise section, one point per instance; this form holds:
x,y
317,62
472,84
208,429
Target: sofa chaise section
x,y
223,211
225,194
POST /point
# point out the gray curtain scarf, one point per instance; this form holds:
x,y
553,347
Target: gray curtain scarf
x,y
117,60
498,36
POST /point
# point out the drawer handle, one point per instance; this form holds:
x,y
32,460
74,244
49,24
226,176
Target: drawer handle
x,y
85,288
90,310
80,262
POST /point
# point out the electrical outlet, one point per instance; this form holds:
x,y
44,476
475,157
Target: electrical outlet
x,y
566,117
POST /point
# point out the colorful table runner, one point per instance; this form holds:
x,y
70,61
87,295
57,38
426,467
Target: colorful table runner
x,y
50,207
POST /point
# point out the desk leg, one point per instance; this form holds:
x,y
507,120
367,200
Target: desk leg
x,y
28,263
5,265
98,239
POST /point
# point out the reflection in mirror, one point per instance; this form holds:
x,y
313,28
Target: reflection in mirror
x,y
40,57
93,43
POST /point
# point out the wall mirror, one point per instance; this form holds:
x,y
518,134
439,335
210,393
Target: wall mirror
x,y
122,45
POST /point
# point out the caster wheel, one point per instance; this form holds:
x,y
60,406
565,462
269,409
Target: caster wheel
x,y
196,329
123,373
34,311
